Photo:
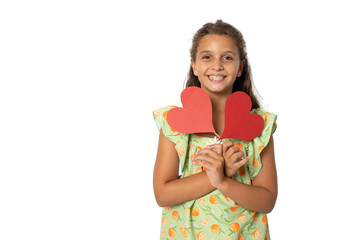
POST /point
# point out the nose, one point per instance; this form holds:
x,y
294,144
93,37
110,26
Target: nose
x,y
217,65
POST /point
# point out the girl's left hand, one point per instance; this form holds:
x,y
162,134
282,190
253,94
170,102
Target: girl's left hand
x,y
213,162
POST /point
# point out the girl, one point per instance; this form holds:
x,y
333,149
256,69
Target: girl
x,y
220,194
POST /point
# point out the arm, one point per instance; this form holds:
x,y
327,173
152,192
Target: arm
x,y
261,195
168,188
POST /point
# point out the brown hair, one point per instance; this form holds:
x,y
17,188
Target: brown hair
x,y
244,82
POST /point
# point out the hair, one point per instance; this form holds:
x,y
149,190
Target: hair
x,y
244,82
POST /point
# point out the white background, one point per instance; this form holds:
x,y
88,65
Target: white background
x,y
79,80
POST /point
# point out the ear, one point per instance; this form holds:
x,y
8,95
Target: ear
x,y
241,67
193,65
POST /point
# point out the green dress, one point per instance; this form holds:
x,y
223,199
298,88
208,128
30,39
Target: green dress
x,y
214,216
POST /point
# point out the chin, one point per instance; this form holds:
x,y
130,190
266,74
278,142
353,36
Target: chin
x,y
219,90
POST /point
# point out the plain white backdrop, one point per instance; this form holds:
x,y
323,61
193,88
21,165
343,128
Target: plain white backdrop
x,y
79,82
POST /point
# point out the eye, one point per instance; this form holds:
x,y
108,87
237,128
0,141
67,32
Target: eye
x,y
205,57
228,58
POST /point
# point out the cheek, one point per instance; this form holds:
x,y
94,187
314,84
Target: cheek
x,y
201,70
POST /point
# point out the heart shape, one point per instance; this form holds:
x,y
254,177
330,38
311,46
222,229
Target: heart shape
x,y
238,122
196,116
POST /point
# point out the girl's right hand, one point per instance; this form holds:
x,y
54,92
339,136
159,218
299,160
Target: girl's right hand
x,y
231,154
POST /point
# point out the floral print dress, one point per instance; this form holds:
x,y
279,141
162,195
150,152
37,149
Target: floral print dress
x,y
214,216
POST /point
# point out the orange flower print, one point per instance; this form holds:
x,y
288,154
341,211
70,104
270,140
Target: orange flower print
x,y
199,169
235,227
215,228
227,238
256,219
162,231
242,171
201,235
157,112
195,212
172,232
264,220
187,211
168,208
175,215
256,162
239,146
227,198
234,208
257,234
172,129
253,214
266,116
183,231
266,236
260,148
204,222
200,200
165,114
213,199
180,150
240,237
164,221
242,218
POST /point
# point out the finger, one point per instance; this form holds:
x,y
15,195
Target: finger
x,y
242,162
199,160
238,154
210,164
227,145
231,151
208,152
206,165
207,156
217,147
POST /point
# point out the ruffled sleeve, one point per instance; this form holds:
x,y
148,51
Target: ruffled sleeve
x,y
181,140
160,119
256,145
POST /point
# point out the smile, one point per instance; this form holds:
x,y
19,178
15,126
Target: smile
x,y
216,78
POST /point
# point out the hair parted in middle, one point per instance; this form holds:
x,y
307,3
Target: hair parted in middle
x,y
244,82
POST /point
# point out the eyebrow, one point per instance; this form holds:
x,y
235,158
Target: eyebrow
x,y
207,51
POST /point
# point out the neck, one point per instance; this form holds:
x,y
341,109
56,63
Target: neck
x,y
218,102
218,111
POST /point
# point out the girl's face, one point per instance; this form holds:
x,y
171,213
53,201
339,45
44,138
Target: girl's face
x,y
217,64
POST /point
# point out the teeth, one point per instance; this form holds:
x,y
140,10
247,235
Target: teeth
x,y
216,78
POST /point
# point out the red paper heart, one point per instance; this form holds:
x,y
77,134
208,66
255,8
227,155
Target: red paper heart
x,y
196,116
238,122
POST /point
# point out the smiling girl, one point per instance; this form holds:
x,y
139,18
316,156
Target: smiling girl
x,y
225,189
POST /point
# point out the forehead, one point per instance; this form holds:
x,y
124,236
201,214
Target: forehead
x,y
217,43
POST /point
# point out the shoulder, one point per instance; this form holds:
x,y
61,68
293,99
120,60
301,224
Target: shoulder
x,y
160,116
264,113
162,112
